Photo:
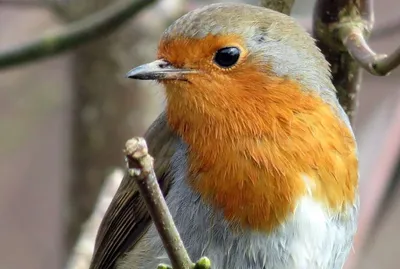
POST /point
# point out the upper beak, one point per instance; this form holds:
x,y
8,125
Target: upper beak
x,y
158,70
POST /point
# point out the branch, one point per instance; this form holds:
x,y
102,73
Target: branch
x,y
376,64
329,17
140,169
342,28
283,6
78,33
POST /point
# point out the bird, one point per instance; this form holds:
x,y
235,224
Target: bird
x,y
254,154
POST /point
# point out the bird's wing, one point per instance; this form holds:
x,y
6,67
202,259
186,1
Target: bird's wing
x,y
127,219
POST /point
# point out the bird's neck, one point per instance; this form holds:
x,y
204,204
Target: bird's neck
x,y
255,160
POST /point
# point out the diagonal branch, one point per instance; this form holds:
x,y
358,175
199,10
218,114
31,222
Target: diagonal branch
x,y
140,169
92,27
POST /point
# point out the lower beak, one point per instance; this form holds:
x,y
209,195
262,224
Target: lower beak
x,y
158,70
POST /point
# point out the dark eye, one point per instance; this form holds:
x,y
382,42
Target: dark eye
x,y
227,57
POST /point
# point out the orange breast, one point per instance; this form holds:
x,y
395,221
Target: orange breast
x,y
251,143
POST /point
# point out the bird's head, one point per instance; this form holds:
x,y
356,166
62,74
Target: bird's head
x,y
226,59
251,95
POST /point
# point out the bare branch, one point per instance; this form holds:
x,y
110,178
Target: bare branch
x,y
283,6
78,33
387,64
329,17
140,169
376,64
342,28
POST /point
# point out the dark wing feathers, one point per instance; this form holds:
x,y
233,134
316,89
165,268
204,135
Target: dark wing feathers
x,y
127,219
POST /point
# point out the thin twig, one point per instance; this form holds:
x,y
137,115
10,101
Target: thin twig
x,y
387,64
376,64
78,33
140,169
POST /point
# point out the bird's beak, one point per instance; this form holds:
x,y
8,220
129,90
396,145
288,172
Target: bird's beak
x,y
158,70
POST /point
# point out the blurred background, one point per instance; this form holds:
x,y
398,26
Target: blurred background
x,y
64,121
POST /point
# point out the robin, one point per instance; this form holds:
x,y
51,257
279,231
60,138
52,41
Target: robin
x,y
255,156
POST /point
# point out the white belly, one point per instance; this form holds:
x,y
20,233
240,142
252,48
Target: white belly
x,y
311,238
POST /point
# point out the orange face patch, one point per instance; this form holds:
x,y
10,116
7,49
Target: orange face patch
x,y
197,54
251,137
